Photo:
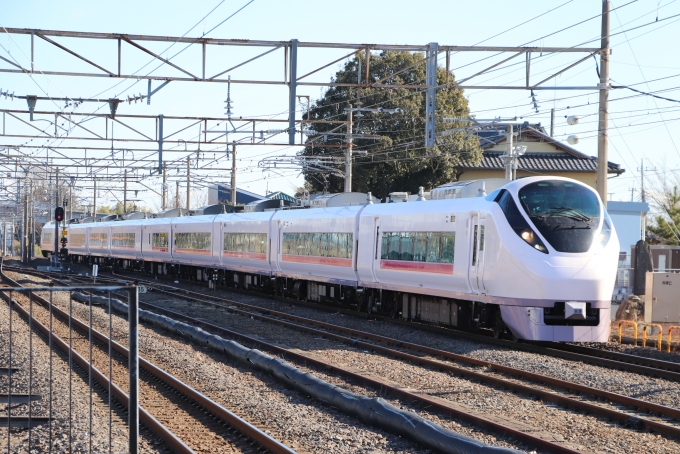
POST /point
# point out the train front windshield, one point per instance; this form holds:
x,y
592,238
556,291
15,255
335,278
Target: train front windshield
x,y
567,214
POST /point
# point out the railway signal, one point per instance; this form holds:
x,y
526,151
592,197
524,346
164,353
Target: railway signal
x,y
59,214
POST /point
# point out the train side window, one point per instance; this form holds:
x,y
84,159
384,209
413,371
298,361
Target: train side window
x,y
384,246
318,245
481,237
448,247
420,247
406,247
434,247
474,246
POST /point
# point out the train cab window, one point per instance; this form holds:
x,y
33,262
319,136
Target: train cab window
x,y
48,237
517,221
566,213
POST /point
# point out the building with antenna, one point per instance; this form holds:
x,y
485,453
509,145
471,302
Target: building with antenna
x,y
221,194
544,156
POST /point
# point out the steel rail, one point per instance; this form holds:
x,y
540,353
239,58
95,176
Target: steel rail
x,y
146,418
633,403
374,382
228,417
494,381
611,360
603,358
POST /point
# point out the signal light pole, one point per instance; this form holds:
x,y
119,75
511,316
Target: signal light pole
x,y
58,217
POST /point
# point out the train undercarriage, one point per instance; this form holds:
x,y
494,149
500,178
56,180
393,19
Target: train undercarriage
x,y
467,315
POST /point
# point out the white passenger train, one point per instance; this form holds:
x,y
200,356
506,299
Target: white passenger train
x,y
537,256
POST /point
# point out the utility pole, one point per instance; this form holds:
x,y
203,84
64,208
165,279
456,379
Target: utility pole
x,y
189,184
164,191
55,254
57,190
349,138
125,192
177,194
642,180
233,174
94,203
32,239
552,122
24,239
509,161
348,153
603,121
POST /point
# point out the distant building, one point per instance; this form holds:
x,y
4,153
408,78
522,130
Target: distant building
x,y
629,220
544,156
281,196
221,193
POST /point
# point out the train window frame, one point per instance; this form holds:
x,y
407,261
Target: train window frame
x,y
319,244
250,242
433,252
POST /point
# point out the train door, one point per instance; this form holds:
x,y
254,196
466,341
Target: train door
x,y
476,267
376,247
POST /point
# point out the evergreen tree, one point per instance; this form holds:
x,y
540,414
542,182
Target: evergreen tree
x,y
667,226
398,161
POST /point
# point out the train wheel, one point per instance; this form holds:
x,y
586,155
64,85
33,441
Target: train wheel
x,y
498,326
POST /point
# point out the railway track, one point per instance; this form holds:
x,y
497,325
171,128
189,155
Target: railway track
x,y
184,418
589,355
449,409
630,412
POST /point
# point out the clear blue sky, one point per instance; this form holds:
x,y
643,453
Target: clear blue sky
x,y
642,127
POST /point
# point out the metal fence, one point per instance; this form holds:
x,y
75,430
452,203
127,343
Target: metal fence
x,y
60,375
624,284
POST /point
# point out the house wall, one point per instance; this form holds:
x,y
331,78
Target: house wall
x,y
584,177
630,224
532,147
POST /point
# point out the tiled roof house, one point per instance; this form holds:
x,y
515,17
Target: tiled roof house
x,y
544,156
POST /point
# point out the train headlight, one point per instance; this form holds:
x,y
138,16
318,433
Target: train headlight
x,y
533,240
606,232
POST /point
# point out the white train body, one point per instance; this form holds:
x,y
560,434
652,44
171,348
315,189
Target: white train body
x,y
537,256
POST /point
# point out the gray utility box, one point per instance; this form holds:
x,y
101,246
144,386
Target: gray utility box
x,y
662,298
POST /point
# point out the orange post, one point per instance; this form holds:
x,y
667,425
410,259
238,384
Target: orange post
x,y
628,322
644,334
670,329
